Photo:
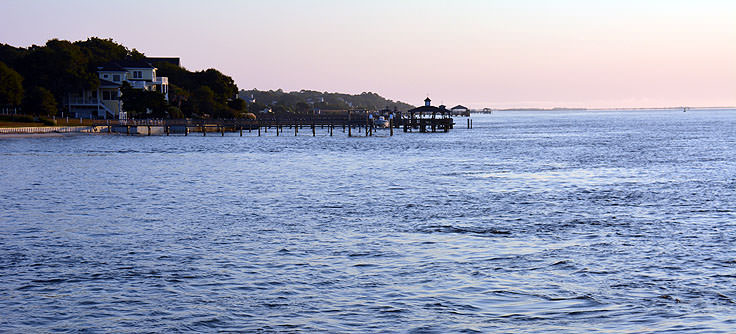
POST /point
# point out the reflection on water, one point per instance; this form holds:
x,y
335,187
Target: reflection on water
x,y
616,221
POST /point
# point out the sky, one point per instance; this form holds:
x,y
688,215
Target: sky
x,y
478,53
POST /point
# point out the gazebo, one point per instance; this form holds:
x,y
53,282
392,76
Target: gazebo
x,y
428,115
460,110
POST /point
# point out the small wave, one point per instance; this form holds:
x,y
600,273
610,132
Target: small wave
x,y
49,281
462,230
670,298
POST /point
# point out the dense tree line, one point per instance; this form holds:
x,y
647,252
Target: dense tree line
x,y
207,92
305,101
38,78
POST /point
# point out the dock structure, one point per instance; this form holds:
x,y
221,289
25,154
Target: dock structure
x,y
351,123
429,118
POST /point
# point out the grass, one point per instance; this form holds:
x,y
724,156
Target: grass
x,y
17,121
4,124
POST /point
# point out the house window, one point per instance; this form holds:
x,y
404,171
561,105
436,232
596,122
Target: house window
x,y
116,77
105,95
105,76
137,74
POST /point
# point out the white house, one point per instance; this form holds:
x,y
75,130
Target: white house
x,y
104,102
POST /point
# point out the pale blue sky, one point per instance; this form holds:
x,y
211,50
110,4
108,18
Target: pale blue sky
x,y
478,53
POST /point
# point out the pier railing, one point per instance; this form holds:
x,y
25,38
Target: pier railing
x,y
47,129
347,121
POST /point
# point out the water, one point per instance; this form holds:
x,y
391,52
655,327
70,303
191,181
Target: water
x,y
616,221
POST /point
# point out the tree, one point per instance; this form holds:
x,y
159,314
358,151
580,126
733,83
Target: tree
x,y
100,51
183,78
222,86
10,54
280,109
11,86
302,108
238,105
40,101
178,95
297,100
174,112
203,101
143,103
256,107
59,66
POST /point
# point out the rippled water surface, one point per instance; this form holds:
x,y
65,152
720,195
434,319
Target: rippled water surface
x,y
616,221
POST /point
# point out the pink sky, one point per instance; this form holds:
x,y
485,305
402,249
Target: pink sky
x,y
489,53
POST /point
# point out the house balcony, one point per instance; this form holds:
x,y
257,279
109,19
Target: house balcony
x,y
137,84
161,81
78,101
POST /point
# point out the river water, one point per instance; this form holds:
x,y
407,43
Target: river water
x,y
575,222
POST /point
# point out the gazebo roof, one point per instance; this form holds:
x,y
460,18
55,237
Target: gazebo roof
x,y
459,107
428,109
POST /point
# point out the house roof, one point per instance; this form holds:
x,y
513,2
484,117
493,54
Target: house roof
x,y
111,67
135,64
459,107
121,66
425,109
107,84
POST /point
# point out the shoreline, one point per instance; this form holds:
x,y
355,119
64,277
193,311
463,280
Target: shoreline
x,y
40,135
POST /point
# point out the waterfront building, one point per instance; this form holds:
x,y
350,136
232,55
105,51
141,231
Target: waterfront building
x,y
460,110
104,102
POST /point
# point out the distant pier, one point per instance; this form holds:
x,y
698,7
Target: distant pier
x,y
352,124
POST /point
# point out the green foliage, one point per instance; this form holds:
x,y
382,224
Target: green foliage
x,y
60,66
173,112
11,86
17,118
141,103
203,102
177,75
257,107
238,105
40,101
222,85
281,109
305,101
26,119
302,108
203,93
101,51
65,67
46,121
10,55
177,95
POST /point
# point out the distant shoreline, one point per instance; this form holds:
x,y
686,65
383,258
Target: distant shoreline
x,y
599,109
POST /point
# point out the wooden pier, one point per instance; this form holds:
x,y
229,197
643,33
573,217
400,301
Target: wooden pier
x,y
352,124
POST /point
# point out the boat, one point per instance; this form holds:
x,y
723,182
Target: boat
x,y
380,122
